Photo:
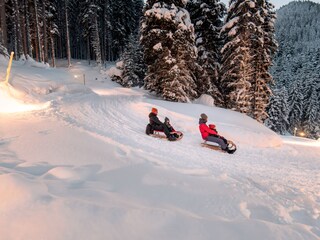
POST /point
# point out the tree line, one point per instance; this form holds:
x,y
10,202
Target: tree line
x,y
81,29
295,103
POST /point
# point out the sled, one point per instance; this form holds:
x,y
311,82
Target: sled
x,y
231,146
161,135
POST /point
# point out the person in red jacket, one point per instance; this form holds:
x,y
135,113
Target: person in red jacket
x,y
209,133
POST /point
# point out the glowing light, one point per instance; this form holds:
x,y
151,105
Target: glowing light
x,y
75,76
302,134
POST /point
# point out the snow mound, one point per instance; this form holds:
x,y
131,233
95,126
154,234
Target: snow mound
x,y
114,71
39,85
72,174
206,100
32,63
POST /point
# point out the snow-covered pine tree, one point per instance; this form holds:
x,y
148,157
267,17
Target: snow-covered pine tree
x,y
18,49
278,111
207,15
53,30
312,123
38,47
268,13
3,24
124,21
132,68
138,8
264,46
26,30
3,30
169,50
295,103
247,54
237,71
89,18
68,48
44,16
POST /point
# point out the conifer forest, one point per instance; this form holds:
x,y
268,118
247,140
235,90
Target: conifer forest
x,y
247,55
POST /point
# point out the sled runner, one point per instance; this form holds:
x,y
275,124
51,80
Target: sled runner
x,y
231,146
160,134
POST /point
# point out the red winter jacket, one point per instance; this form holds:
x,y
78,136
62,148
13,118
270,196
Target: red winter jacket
x,y
205,130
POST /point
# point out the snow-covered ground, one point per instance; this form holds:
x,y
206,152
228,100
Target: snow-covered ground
x,y
75,164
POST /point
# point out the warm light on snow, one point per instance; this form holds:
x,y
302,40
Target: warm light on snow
x,y
301,141
12,105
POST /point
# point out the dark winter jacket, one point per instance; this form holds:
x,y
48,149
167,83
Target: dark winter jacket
x,y
154,120
170,128
205,130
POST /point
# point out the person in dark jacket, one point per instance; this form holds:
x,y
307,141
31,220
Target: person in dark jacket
x,y
156,124
171,129
210,133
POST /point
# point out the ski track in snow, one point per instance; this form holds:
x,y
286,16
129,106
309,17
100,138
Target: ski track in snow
x,y
121,120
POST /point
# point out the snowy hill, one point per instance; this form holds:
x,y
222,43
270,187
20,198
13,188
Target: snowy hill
x,y
79,166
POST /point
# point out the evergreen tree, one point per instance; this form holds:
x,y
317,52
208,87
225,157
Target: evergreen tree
x,y
132,68
312,123
125,21
206,15
3,24
247,54
17,30
3,30
264,47
53,30
169,52
295,106
90,21
237,71
37,31
278,111
26,29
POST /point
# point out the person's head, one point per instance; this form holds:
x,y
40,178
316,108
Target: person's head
x,y
154,110
204,117
166,120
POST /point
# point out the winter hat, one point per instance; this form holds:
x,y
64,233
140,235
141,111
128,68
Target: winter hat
x,y
204,116
154,110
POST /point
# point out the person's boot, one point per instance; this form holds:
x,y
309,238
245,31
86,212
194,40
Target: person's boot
x,y
172,138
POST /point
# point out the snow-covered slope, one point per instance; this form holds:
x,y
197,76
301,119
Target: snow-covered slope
x,y
81,167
